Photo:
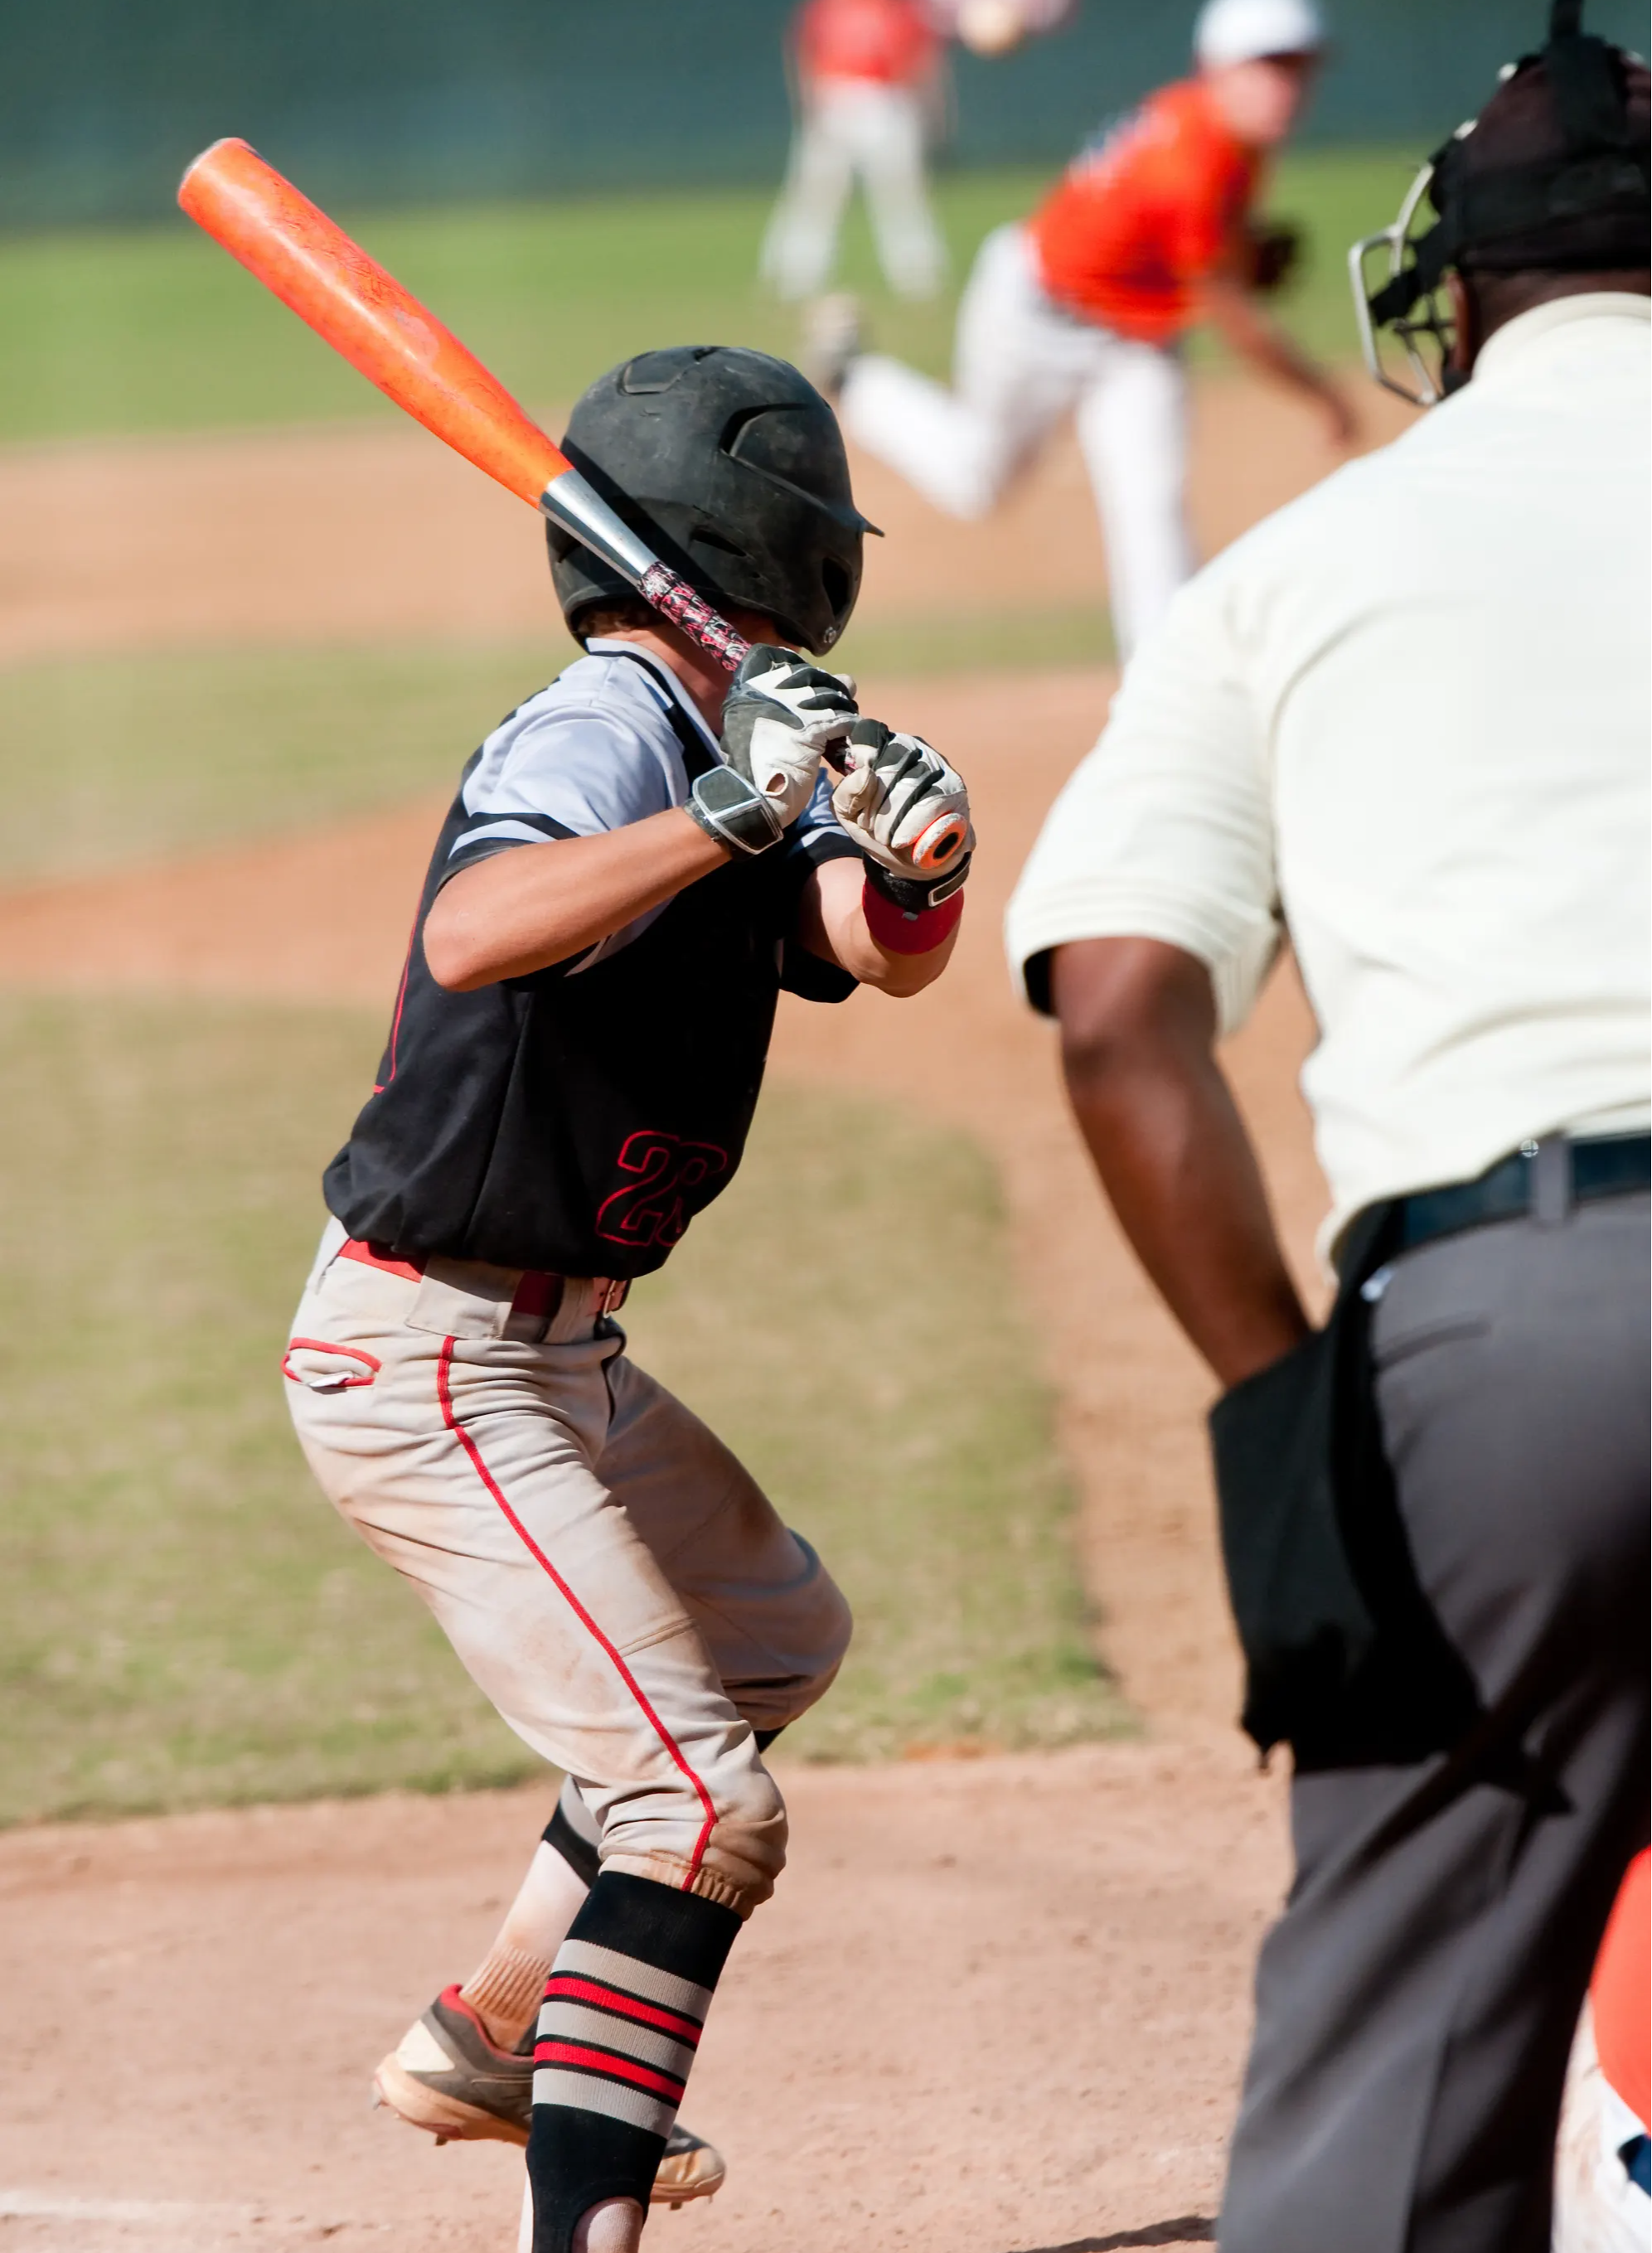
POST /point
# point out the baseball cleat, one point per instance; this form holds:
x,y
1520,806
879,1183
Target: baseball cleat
x,y
689,2167
448,2077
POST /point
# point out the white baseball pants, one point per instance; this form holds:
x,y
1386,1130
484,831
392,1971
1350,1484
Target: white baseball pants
x,y
1020,364
850,128
1598,2209
611,1578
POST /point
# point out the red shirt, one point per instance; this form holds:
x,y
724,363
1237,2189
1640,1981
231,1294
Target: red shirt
x,y
1142,219
887,42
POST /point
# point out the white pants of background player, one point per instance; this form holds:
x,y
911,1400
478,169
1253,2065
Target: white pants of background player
x,y
1022,364
1598,2207
612,1579
853,127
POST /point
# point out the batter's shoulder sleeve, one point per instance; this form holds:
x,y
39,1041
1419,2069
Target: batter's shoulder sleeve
x,y
559,767
1165,830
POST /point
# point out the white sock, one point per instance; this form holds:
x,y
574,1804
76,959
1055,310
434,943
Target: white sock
x,y
505,1987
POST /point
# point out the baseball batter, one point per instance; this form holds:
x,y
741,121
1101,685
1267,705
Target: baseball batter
x,y
633,870
1084,306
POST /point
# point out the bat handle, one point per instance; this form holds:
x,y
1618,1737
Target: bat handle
x,y
572,502
692,615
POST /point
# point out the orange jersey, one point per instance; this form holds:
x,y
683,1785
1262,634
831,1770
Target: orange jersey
x,y
1145,216
889,42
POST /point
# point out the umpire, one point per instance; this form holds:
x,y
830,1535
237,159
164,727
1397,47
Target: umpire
x,y
1404,723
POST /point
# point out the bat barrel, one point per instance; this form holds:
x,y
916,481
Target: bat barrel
x,y
365,314
300,256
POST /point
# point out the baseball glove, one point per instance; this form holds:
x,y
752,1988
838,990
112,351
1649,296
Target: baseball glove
x,y
1276,253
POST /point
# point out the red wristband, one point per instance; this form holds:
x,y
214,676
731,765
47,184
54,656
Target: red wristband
x,y
901,933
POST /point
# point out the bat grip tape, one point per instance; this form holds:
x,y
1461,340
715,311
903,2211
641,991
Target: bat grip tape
x,y
572,502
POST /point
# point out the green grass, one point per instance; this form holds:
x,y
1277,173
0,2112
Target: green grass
x,y
886,1400
155,329
884,647
182,1620
112,759
108,760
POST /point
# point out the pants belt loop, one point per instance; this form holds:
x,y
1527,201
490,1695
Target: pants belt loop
x,y
1550,1162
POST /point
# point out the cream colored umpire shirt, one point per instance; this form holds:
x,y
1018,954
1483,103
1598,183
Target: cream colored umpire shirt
x,y
1406,721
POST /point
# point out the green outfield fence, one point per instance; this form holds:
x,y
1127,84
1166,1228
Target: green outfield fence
x,y
102,101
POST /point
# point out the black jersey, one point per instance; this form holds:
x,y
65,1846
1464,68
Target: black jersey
x,y
577,1119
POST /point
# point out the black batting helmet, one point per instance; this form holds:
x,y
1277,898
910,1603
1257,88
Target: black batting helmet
x,y
1551,175
731,464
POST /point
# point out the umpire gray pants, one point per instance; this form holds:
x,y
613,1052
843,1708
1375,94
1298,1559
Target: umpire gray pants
x,y
1417,1999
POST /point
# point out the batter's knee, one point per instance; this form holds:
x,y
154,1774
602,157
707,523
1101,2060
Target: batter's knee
x,y
831,1620
803,1649
834,1626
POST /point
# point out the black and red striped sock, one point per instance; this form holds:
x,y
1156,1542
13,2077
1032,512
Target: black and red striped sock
x,y
624,2007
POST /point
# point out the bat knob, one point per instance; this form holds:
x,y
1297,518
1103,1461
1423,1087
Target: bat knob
x,y
941,841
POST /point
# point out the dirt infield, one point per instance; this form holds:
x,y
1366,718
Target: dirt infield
x,y
363,532
1052,2069
999,2005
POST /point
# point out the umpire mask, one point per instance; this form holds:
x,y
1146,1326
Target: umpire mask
x,y
1552,176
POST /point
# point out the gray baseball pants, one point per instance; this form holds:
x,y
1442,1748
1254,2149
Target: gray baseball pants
x,y
1417,2000
612,1579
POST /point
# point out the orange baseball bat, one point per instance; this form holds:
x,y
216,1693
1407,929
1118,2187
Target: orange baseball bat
x,y
382,329
290,244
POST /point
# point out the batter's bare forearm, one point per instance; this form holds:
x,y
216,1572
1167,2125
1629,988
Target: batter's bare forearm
x,y
1139,1028
831,923
898,975
523,910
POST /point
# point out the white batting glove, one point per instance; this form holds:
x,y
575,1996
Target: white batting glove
x,y
905,807
782,713
780,716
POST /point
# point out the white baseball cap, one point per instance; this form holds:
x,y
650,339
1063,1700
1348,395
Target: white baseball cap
x,y
1245,30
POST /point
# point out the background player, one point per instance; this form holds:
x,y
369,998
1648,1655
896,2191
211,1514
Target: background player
x,y
1603,2172
867,89
989,28
869,93
1086,306
631,872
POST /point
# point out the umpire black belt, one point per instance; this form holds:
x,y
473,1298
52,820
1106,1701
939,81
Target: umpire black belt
x,y
1601,1166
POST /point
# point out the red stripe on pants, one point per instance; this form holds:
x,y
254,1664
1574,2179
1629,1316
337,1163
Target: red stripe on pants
x,y
444,1393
